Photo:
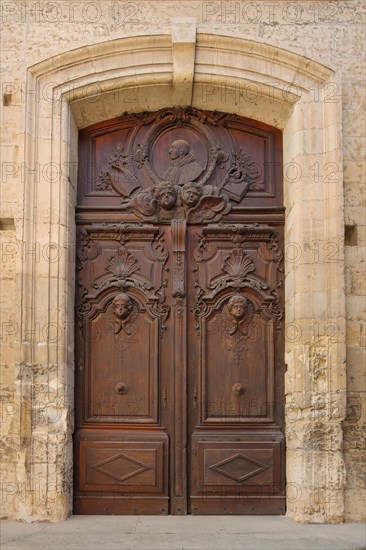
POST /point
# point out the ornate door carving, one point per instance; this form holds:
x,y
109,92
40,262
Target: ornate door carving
x,y
179,308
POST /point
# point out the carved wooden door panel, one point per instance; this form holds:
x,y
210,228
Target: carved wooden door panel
x,y
121,446
235,374
179,316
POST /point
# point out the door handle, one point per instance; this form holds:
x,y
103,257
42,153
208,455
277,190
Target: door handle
x,y
121,388
238,389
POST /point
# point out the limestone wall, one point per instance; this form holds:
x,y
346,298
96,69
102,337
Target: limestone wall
x,y
295,65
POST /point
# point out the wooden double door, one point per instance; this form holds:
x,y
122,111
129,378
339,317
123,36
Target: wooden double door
x,y
179,340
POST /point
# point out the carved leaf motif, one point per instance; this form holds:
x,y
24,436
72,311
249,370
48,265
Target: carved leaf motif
x,y
118,160
158,247
88,249
180,116
159,307
84,306
179,308
120,175
104,181
178,113
246,166
200,308
204,250
238,264
178,277
222,158
123,264
139,157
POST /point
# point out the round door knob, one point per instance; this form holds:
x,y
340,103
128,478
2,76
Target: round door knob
x,y
238,389
121,388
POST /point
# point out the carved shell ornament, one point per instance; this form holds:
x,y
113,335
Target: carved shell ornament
x,y
238,264
180,185
236,267
122,265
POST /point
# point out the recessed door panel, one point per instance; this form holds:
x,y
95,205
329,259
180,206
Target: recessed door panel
x,y
130,467
237,370
123,374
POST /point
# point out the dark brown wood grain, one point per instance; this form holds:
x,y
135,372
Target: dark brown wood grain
x,y
179,317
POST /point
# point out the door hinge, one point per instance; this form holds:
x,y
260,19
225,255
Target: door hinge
x,y
165,398
195,393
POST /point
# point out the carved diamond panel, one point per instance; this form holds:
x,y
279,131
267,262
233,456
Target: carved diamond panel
x,y
247,463
113,464
238,467
121,467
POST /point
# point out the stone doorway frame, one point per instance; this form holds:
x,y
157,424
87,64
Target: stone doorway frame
x,y
211,72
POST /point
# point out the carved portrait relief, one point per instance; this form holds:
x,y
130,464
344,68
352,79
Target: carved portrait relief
x,y
180,148
183,168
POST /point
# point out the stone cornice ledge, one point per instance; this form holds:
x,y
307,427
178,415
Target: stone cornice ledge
x,y
185,39
299,64
100,51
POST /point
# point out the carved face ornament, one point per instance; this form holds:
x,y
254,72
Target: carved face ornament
x,y
166,195
191,195
167,200
237,311
122,308
237,308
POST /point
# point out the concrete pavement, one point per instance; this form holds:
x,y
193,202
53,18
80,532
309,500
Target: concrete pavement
x,y
181,533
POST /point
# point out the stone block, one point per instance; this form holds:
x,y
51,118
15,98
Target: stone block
x,y
356,375
354,170
356,333
354,505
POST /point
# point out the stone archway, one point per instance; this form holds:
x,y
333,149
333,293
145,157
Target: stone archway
x,y
208,72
